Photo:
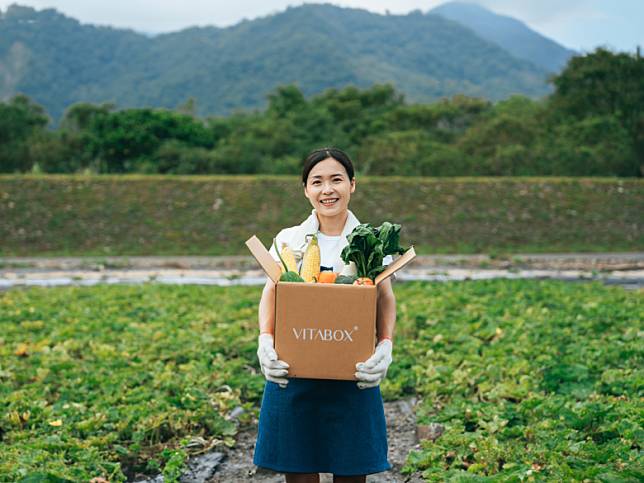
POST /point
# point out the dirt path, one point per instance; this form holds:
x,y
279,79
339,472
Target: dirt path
x,y
625,269
10,278
556,261
401,436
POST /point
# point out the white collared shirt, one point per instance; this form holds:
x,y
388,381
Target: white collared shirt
x,y
330,246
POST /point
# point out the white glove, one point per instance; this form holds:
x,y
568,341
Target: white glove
x,y
273,369
373,370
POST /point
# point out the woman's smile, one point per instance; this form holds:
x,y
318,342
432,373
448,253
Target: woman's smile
x,y
329,201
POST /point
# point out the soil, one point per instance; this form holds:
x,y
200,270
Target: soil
x,y
552,261
401,437
625,269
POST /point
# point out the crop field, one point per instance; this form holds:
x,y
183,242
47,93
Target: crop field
x,y
532,380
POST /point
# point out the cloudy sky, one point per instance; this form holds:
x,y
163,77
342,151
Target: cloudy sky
x,y
578,24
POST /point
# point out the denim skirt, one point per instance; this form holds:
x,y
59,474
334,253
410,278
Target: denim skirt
x,y
322,426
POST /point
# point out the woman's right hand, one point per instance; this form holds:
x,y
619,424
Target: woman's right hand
x,y
273,369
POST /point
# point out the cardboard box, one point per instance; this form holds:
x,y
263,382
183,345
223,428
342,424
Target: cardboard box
x,y
323,330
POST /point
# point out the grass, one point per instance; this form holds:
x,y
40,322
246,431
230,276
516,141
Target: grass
x,y
533,380
59,215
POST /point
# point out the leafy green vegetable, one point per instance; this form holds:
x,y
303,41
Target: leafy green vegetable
x,y
41,477
368,246
346,279
532,380
291,277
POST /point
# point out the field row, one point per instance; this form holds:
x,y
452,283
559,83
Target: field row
x,y
527,377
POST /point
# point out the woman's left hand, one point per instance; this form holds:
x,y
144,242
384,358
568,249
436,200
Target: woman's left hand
x,y
373,370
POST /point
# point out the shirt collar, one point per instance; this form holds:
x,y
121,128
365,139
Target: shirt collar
x,y
351,222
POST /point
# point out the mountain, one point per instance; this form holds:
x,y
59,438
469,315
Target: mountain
x,y
58,61
509,33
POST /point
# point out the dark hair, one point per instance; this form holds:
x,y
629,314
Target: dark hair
x,y
321,154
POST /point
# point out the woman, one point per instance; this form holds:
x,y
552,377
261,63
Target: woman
x,y
312,426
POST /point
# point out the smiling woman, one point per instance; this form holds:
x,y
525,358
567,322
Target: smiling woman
x,y
329,181
312,426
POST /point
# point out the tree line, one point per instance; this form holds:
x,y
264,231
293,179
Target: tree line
x,y
591,125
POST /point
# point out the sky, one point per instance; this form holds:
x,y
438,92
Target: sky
x,y
578,24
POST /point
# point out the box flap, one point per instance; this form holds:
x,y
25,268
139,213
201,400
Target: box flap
x,y
266,261
396,265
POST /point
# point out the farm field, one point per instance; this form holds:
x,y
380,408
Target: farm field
x,y
532,380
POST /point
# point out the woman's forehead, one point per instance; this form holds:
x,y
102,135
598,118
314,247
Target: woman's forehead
x,y
327,167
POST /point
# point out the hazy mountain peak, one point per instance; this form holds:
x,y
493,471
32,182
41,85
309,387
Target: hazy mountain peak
x,y
509,33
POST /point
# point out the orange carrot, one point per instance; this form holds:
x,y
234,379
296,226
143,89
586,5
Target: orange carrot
x,y
327,277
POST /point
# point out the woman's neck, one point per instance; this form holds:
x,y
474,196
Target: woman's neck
x,y
332,225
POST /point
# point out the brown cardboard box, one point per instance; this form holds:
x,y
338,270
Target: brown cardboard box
x,y
323,330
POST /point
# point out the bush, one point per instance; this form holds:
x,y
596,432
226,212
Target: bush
x,y
594,146
176,157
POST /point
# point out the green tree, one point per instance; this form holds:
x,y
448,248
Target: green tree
x,y
409,153
593,146
20,120
502,142
126,140
446,119
78,117
55,152
358,113
285,100
175,157
600,84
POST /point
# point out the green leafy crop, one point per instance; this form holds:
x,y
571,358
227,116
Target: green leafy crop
x,y
531,380
368,246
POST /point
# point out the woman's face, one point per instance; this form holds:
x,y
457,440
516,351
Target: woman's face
x,y
329,188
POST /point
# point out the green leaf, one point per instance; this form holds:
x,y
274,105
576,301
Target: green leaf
x,y
368,246
44,478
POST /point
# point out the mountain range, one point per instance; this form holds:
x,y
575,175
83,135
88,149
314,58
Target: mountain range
x,y
509,33
58,61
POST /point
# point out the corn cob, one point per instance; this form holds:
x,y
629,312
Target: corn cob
x,y
287,276
310,270
289,259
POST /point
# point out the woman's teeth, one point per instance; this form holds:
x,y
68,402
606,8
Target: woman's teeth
x,y
329,202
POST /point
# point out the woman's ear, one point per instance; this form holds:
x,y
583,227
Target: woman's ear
x,y
353,184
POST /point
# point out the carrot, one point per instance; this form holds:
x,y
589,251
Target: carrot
x,y
327,277
363,281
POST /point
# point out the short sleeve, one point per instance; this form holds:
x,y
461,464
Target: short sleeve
x,y
386,261
272,250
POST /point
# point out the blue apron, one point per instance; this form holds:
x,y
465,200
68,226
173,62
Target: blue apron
x,y
322,426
